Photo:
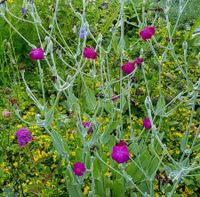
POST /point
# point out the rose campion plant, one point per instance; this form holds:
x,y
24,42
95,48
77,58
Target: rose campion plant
x,y
89,53
36,54
120,152
147,32
79,169
147,123
128,67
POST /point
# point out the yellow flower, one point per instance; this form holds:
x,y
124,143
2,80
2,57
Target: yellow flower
x,y
24,184
177,152
97,62
24,117
131,155
3,165
188,191
98,84
32,109
155,186
15,164
62,162
178,134
44,154
71,137
12,137
86,190
54,126
10,1
157,194
48,184
73,153
19,126
107,174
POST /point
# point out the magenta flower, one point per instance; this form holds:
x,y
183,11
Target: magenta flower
x,y
89,53
79,169
6,113
147,32
120,152
36,54
114,97
147,123
24,136
139,61
128,67
88,126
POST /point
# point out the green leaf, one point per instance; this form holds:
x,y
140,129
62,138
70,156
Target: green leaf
x,y
118,188
49,117
99,188
194,27
96,169
73,190
121,46
105,137
71,100
59,143
183,142
196,147
196,40
90,99
109,107
109,21
134,172
153,164
160,107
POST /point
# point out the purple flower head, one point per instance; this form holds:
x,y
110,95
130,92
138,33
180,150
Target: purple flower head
x,y
120,152
79,169
6,113
128,67
83,32
24,136
36,54
88,126
89,53
147,32
147,123
114,97
139,61
24,11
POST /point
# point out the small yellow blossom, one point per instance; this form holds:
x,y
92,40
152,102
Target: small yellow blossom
x,y
19,126
15,164
177,152
155,186
10,1
86,190
97,62
71,137
24,117
73,153
84,118
108,174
